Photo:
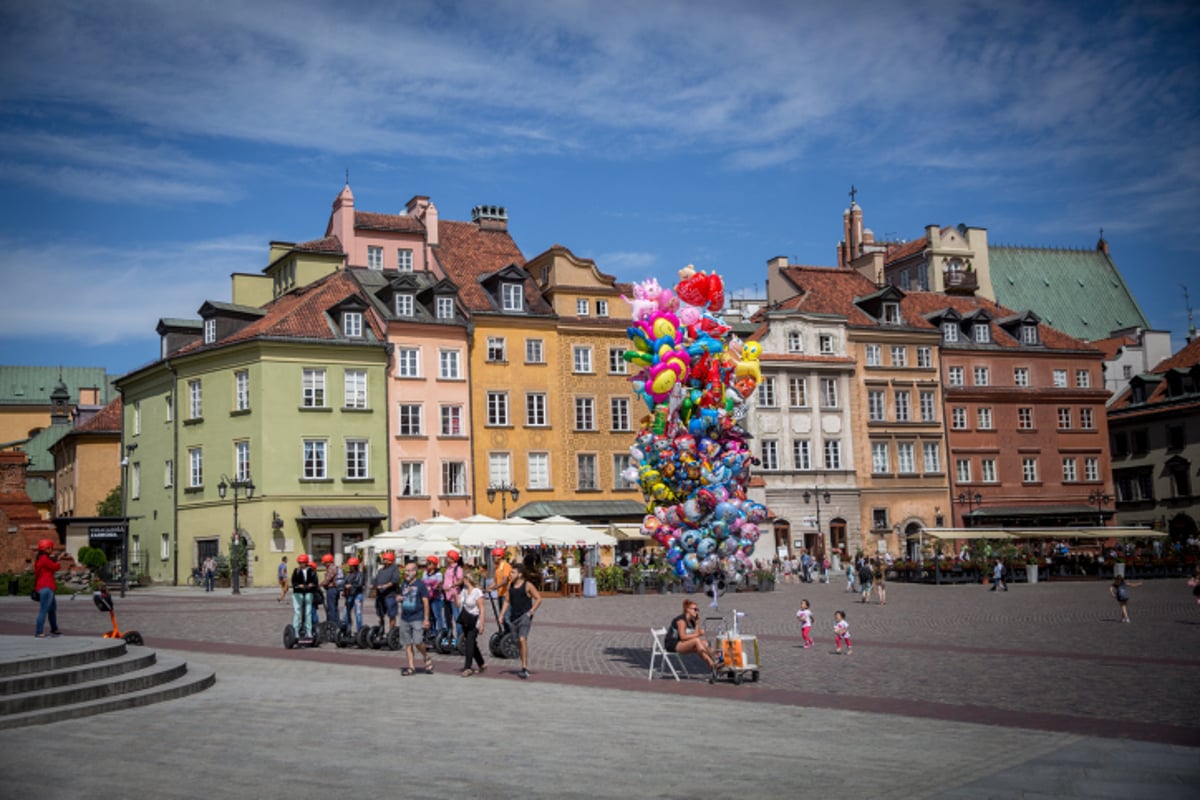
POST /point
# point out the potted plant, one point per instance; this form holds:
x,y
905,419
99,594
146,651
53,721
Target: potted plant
x,y
637,578
765,579
668,581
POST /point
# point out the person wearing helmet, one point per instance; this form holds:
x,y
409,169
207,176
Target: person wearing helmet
x,y
353,590
452,581
386,581
331,583
45,565
304,587
432,578
503,575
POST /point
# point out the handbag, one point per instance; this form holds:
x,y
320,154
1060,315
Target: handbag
x,y
35,596
467,619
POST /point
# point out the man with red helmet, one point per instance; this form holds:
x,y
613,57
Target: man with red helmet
x,y
304,587
503,574
432,578
354,594
44,567
385,584
332,584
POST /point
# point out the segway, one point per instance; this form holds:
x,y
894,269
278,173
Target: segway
x,y
302,638
504,643
103,601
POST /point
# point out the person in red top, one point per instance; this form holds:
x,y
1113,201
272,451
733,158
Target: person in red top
x,y
44,567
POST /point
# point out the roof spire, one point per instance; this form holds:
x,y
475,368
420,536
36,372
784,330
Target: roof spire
x,y
853,192
348,180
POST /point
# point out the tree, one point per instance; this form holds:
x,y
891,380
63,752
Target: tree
x,y
110,506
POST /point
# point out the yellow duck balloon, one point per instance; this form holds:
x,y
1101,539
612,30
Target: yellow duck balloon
x,y
748,366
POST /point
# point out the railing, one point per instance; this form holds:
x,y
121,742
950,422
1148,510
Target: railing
x,y
959,280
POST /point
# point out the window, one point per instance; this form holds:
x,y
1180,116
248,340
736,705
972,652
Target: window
x,y
928,407
891,313
135,480
616,361
454,478
1021,376
445,308
450,365
241,390
1127,371
983,332
405,305
168,474
586,463
1064,419
412,478
241,461
408,362
829,393
962,470
1029,334
1060,379
1181,479
879,458
499,469
581,358
905,459
352,324
1025,419
581,307
1175,436
903,405
374,257
1091,468
619,410
1141,442
982,376
987,470
874,355
923,276
356,459
497,408
983,418
535,409
195,467
797,392
879,519
958,418
601,308
876,405
355,381
795,342
802,454
833,454
164,547
210,331
1120,445
949,332
904,280
534,351
404,261
137,417
933,456
585,414
539,470
195,400
315,467
170,408
495,350
313,388
924,357
899,356
769,452
826,344
1086,419
409,423
451,420
1083,379
512,297
621,464
766,393
955,376
1029,470
1069,472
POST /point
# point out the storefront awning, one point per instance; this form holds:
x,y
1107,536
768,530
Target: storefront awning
x,y
584,511
360,514
948,534
627,533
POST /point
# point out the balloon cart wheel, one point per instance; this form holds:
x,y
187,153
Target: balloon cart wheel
x,y
754,676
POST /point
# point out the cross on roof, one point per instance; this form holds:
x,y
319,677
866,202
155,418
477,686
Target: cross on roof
x,y
853,192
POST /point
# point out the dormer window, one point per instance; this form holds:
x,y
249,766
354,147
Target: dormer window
x,y
581,307
601,308
352,324
982,332
210,331
445,308
949,332
374,257
1029,334
891,313
404,305
512,297
795,342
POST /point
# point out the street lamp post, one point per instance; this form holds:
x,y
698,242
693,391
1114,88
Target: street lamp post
x,y
505,490
819,494
235,550
972,502
129,451
1100,500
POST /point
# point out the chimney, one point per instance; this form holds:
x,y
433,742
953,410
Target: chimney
x,y
1102,245
341,222
490,218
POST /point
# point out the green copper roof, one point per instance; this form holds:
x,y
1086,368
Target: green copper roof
x,y
33,385
1079,292
38,447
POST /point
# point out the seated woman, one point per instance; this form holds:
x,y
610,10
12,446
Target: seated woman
x,y
684,635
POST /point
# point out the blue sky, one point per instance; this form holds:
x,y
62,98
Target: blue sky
x,y
149,149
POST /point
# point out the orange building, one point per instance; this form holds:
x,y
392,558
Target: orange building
x,y
87,463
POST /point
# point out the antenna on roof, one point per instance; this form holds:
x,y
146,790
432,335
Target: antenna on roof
x,y
347,176
1188,304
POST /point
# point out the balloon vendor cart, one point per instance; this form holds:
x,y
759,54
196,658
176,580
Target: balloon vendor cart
x,y
736,652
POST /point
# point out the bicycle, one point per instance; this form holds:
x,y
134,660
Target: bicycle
x,y
196,578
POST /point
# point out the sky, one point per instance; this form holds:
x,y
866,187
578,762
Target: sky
x,y
148,150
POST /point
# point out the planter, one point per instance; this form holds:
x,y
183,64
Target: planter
x,y
1119,569
1031,572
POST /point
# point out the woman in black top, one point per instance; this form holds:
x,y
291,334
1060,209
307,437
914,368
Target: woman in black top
x,y
686,636
523,599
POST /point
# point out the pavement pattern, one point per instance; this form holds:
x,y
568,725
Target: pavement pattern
x,y
952,691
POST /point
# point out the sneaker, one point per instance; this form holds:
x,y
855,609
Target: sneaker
x,y
39,636
59,633
523,674
807,646
849,650
838,651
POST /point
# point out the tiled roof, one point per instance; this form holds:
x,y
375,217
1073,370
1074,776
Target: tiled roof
x,y
923,304
33,385
902,251
106,420
1080,292
467,254
38,447
395,223
1113,344
361,512
327,244
1186,358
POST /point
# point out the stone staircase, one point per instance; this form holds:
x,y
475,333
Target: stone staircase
x,y
47,680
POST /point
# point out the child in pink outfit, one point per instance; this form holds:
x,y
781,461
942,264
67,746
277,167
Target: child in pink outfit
x,y
842,631
806,620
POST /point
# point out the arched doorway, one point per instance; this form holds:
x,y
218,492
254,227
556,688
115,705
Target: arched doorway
x,y
783,537
914,537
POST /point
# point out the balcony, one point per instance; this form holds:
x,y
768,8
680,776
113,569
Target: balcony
x,y
959,281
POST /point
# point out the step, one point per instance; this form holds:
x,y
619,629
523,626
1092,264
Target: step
x,y
196,678
164,670
134,658
24,656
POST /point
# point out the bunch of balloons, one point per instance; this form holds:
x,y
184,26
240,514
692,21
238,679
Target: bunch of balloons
x,y
691,456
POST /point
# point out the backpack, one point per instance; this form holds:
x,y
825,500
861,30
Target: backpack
x,y
671,640
864,574
1122,593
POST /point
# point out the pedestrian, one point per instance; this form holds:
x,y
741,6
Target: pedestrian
x,y
353,589
209,568
825,569
849,577
432,578
452,580
522,601
787,570
45,565
332,583
806,620
880,579
304,590
1120,591
841,630
805,567
385,584
998,576
1194,582
471,618
282,576
503,577
864,580
414,619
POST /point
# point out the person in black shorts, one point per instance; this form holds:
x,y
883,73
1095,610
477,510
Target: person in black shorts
x,y
523,599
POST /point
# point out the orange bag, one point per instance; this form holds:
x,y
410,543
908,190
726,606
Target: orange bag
x,y
731,649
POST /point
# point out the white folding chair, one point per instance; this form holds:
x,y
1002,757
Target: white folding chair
x,y
664,658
